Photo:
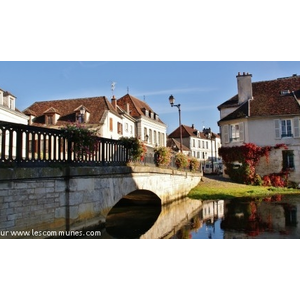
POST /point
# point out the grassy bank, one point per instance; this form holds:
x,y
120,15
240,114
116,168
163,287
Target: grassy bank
x,y
219,188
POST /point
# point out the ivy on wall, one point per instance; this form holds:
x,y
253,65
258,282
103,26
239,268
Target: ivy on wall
x,y
241,162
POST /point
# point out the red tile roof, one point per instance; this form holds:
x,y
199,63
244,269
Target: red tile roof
x,y
268,99
188,131
66,108
136,107
175,145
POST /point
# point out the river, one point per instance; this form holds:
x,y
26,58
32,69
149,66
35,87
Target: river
x,y
273,217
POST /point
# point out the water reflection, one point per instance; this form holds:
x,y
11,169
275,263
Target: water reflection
x,y
273,217
266,218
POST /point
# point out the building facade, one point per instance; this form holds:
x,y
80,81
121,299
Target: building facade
x,y
265,113
202,145
8,110
149,127
124,117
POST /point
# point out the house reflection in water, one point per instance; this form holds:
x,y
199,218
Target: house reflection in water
x,y
206,223
272,217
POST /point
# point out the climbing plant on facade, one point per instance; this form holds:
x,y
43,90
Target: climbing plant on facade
x,y
248,156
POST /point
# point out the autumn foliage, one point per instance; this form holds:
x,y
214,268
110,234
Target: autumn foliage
x,y
248,156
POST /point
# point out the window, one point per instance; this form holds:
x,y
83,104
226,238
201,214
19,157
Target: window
x,y
120,128
150,136
49,119
126,127
288,159
234,132
193,143
286,128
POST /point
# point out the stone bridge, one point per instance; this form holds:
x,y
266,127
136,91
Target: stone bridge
x,y
73,198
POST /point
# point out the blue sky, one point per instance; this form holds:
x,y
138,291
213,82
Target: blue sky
x,y
199,86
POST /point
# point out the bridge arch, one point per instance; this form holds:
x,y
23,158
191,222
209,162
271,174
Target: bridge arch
x,y
133,215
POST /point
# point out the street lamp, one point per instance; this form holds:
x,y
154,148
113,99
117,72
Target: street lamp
x,y
208,133
172,101
82,112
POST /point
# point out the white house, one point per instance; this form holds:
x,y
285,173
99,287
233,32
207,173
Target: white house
x,y
8,110
265,113
149,127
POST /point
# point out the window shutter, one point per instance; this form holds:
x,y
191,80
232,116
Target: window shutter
x,y
225,134
277,129
110,124
241,131
296,127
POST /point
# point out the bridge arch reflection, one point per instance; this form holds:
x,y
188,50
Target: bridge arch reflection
x,y
133,215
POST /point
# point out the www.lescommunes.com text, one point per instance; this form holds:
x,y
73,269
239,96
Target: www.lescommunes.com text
x,y
48,233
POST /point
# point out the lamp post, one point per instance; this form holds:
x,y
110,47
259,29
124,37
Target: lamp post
x,y
82,112
208,133
172,101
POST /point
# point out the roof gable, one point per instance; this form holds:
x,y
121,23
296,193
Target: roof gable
x,y
137,108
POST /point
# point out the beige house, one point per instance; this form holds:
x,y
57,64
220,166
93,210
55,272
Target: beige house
x,y
265,113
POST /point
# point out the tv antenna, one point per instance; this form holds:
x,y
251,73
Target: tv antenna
x,y
113,86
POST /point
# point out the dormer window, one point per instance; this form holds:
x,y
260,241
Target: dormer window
x,y
8,100
146,112
49,120
51,116
285,92
81,114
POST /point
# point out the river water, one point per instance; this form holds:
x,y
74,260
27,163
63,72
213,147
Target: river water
x,y
273,217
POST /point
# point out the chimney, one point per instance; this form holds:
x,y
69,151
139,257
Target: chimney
x,y
244,87
127,108
114,102
193,126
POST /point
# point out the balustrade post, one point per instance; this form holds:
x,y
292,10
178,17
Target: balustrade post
x,y
19,145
